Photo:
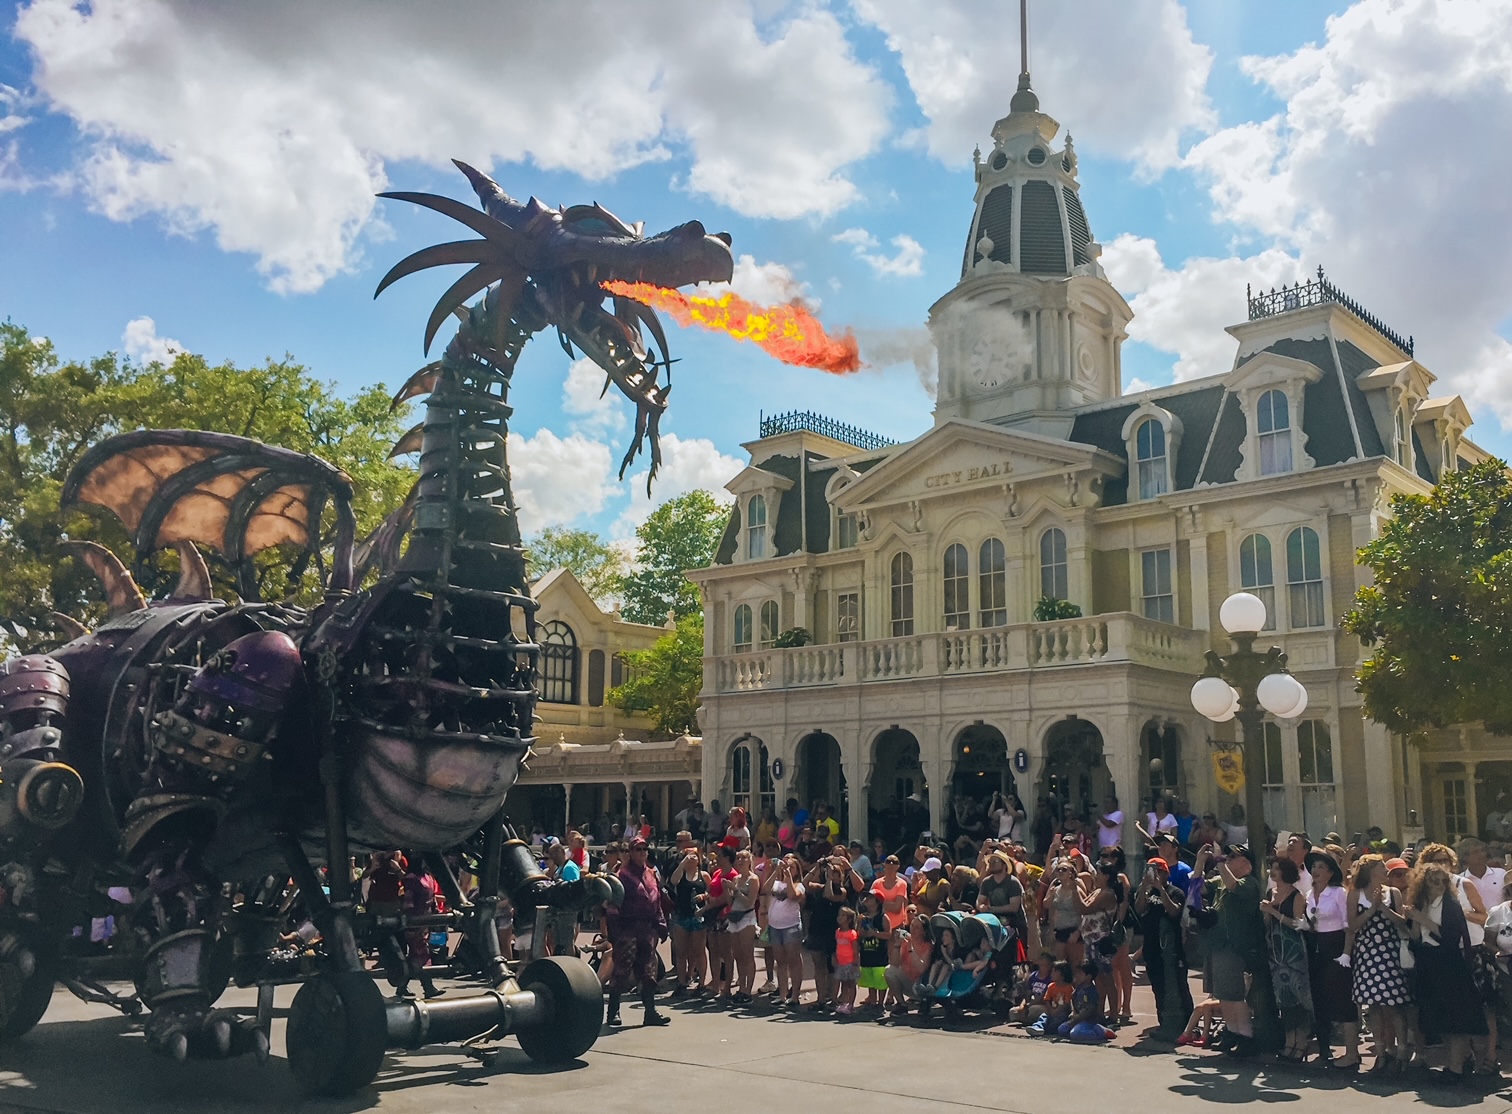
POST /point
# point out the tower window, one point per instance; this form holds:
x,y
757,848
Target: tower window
x,y
992,584
1273,422
957,588
902,595
1036,156
1150,451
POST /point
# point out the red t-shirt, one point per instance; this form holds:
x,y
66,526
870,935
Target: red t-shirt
x,y
845,946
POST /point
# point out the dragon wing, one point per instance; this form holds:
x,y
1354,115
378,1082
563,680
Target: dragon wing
x,y
234,494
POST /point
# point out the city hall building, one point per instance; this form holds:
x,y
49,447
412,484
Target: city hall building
x,y
918,569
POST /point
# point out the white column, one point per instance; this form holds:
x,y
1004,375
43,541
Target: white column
x,y
566,808
1381,797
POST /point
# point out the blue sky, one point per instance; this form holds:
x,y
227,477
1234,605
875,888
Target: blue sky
x,y
211,168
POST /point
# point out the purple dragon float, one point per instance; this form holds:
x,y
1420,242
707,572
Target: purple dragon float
x,y
188,766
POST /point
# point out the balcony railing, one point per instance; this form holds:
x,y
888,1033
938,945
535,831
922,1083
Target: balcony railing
x,y
1121,637
796,421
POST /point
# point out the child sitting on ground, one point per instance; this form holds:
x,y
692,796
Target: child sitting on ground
x,y
1058,997
1199,1029
1029,994
1085,1026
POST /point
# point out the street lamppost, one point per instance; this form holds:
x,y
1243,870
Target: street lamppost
x,y
1245,685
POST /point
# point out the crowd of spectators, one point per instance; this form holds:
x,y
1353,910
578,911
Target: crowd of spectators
x,y
1344,956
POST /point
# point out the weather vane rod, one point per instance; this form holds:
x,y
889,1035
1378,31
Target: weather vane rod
x,y
1024,36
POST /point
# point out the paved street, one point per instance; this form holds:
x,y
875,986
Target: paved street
x,y
82,1060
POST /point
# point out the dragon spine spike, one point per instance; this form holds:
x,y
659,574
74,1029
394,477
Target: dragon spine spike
x,y
70,626
194,574
122,596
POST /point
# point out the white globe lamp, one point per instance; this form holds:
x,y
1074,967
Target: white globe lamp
x,y
1242,613
1214,698
1281,694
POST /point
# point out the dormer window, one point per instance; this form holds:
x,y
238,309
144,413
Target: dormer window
x,y
1273,421
1150,449
1401,447
756,528
847,531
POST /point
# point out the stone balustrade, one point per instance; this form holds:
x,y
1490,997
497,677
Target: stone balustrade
x,y
1119,637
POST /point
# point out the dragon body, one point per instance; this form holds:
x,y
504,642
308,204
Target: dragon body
x,y
184,769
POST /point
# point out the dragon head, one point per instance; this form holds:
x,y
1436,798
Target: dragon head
x,y
546,267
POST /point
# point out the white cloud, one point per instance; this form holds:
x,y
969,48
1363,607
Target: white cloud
x,y
1126,72
1389,164
906,261
688,464
1185,311
142,343
558,480
592,409
273,125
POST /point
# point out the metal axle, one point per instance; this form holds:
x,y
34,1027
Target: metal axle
x,y
413,1023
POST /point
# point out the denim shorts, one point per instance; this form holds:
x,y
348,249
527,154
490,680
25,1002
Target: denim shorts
x,y
782,937
689,924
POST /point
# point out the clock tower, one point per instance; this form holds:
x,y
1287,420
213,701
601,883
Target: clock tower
x,y
1033,329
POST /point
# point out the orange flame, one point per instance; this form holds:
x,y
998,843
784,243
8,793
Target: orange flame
x,y
789,332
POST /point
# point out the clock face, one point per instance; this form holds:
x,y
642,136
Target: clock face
x,y
988,363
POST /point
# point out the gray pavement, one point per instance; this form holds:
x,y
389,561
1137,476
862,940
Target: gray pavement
x,y
83,1060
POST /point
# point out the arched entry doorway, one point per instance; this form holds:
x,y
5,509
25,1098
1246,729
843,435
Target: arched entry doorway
x,y
819,776
898,801
1075,774
1160,763
981,769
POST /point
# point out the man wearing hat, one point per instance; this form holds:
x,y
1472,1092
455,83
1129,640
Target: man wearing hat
x,y
1169,853
1236,944
930,886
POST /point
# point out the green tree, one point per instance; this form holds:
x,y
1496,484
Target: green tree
x,y
664,680
681,534
599,566
1439,615
52,411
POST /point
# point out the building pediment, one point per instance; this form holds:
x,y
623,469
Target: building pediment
x,y
752,479
959,455
1270,369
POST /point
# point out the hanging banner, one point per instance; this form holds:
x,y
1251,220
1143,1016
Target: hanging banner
x,y
1228,769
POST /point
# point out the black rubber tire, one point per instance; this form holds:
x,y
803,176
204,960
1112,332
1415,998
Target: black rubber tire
x,y
337,1034
575,1011
23,1001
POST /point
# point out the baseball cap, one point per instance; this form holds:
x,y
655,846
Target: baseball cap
x,y
1164,837
1396,864
638,844
932,863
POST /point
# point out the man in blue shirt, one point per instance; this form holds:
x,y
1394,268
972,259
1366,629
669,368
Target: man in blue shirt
x,y
1170,853
563,923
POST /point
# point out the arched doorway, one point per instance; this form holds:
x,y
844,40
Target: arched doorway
x,y
1075,774
899,794
1160,763
981,769
819,776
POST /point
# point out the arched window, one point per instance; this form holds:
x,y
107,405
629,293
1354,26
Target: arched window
x,y
1150,451
1274,425
769,624
992,584
742,628
1255,575
902,595
1304,577
559,663
1053,574
957,588
756,528
751,785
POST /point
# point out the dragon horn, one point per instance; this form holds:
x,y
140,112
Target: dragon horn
x,y
194,574
495,231
464,288
121,592
70,626
411,442
484,186
423,382
439,255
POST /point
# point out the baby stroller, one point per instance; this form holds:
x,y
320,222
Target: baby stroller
x,y
975,990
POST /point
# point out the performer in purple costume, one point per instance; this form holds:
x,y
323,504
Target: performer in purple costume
x,y
635,931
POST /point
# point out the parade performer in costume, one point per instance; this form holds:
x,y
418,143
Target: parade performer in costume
x,y
635,931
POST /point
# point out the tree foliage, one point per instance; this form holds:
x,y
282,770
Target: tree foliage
x,y
683,533
598,566
664,680
1439,615
52,411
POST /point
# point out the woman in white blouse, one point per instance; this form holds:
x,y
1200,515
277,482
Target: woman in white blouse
x,y
1333,999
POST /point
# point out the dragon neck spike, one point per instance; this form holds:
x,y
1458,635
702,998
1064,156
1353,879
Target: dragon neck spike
x,y
70,626
122,595
194,574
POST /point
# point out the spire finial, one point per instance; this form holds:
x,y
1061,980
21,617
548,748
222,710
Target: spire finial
x,y
1024,36
1024,100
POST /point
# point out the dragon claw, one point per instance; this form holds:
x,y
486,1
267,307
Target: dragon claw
x,y
192,1031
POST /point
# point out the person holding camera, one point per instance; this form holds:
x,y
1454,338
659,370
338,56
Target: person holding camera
x,y
1236,941
831,884
1007,816
1158,904
784,886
